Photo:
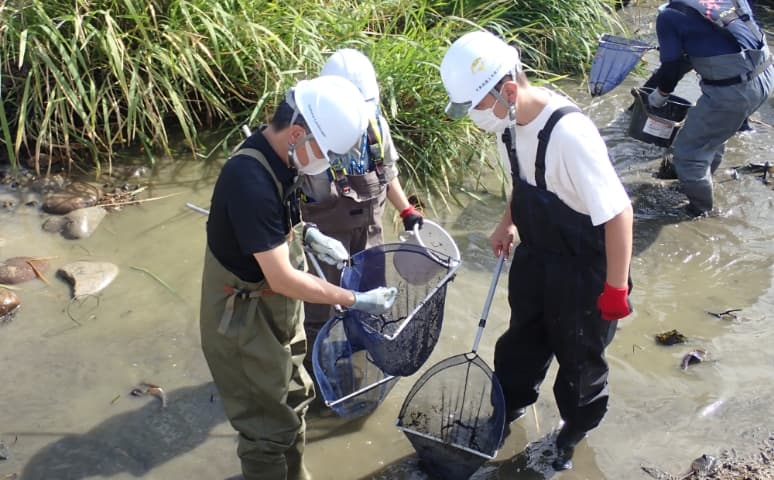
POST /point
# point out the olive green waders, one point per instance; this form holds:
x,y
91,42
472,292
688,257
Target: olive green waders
x,y
254,343
354,219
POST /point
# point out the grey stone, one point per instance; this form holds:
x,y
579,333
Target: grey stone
x,y
88,278
55,223
83,222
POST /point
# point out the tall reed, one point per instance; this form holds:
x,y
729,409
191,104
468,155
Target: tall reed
x,y
82,82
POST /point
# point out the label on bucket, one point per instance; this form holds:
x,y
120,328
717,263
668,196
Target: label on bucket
x,y
658,128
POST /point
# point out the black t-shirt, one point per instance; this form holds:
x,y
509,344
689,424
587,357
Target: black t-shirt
x,y
246,213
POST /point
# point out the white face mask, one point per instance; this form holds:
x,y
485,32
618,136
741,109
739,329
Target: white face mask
x,y
314,165
487,120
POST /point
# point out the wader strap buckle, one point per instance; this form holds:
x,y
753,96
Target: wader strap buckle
x,y
339,175
234,293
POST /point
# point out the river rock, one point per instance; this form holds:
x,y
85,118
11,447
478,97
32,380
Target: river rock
x,y
88,278
83,222
18,269
55,223
9,303
76,195
48,184
8,201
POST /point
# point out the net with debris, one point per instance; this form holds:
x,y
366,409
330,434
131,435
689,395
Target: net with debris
x,y
454,414
400,340
453,418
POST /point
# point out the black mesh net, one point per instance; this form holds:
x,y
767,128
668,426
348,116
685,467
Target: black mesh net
x,y
401,340
454,416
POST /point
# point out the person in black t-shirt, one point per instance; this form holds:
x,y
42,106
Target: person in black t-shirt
x,y
254,279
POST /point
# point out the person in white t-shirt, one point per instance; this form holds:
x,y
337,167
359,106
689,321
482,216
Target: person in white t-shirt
x,y
569,281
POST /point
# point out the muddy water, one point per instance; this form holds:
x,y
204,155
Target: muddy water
x,y
66,368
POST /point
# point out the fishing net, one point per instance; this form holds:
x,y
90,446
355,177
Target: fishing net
x,y
349,381
400,340
454,414
614,60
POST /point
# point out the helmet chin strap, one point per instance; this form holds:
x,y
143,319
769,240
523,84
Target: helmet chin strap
x,y
293,161
511,116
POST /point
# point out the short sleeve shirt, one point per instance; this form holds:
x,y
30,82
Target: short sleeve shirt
x,y
578,168
247,215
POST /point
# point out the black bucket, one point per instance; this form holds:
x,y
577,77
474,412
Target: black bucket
x,y
658,126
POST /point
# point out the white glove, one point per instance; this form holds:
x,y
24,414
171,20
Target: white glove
x,y
376,301
657,99
327,249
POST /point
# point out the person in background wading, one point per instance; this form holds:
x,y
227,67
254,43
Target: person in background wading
x,y
254,277
347,200
722,42
569,279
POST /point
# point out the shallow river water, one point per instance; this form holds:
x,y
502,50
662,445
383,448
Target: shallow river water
x,y
66,369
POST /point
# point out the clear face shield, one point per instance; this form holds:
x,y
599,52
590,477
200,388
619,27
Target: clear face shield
x,y
455,111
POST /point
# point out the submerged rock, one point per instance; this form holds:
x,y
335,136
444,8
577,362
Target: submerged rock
x,y
19,269
83,222
54,223
9,304
76,195
88,278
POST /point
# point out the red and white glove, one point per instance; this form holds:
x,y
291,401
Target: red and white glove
x,y
613,303
411,217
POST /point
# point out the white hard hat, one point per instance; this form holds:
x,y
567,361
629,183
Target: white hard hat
x,y
334,111
472,66
355,67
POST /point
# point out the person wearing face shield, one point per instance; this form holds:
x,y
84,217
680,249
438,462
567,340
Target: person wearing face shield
x,y
255,280
721,41
346,201
569,278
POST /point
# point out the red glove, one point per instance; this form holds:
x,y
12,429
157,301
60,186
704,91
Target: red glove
x,y
613,303
411,217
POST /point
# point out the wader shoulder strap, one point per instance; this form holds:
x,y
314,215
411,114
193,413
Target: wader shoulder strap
x,y
513,159
543,136
256,154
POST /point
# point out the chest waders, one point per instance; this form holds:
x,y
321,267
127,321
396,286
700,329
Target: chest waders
x,y
351,215
254,344
733,87
557,273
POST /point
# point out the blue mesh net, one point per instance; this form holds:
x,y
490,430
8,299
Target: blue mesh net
x,y
400,340
615,58
454,416
350,384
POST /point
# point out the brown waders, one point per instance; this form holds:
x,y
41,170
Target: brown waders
x,y
254,343
353,218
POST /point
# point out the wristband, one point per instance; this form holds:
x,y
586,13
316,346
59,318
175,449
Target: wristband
x,y
407,211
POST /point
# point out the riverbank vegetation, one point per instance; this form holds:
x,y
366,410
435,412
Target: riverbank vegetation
x,y
85,82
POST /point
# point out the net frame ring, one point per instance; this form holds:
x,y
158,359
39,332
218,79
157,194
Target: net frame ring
x,y
435,240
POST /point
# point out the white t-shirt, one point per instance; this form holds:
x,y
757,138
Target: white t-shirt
x,y
578,168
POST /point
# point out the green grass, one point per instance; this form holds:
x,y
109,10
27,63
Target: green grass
x,y
83,82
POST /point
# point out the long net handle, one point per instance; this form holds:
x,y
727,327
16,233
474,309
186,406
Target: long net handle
x,y
488,303
316,265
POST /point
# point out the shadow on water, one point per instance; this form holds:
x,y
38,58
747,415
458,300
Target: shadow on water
x,y
134,442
